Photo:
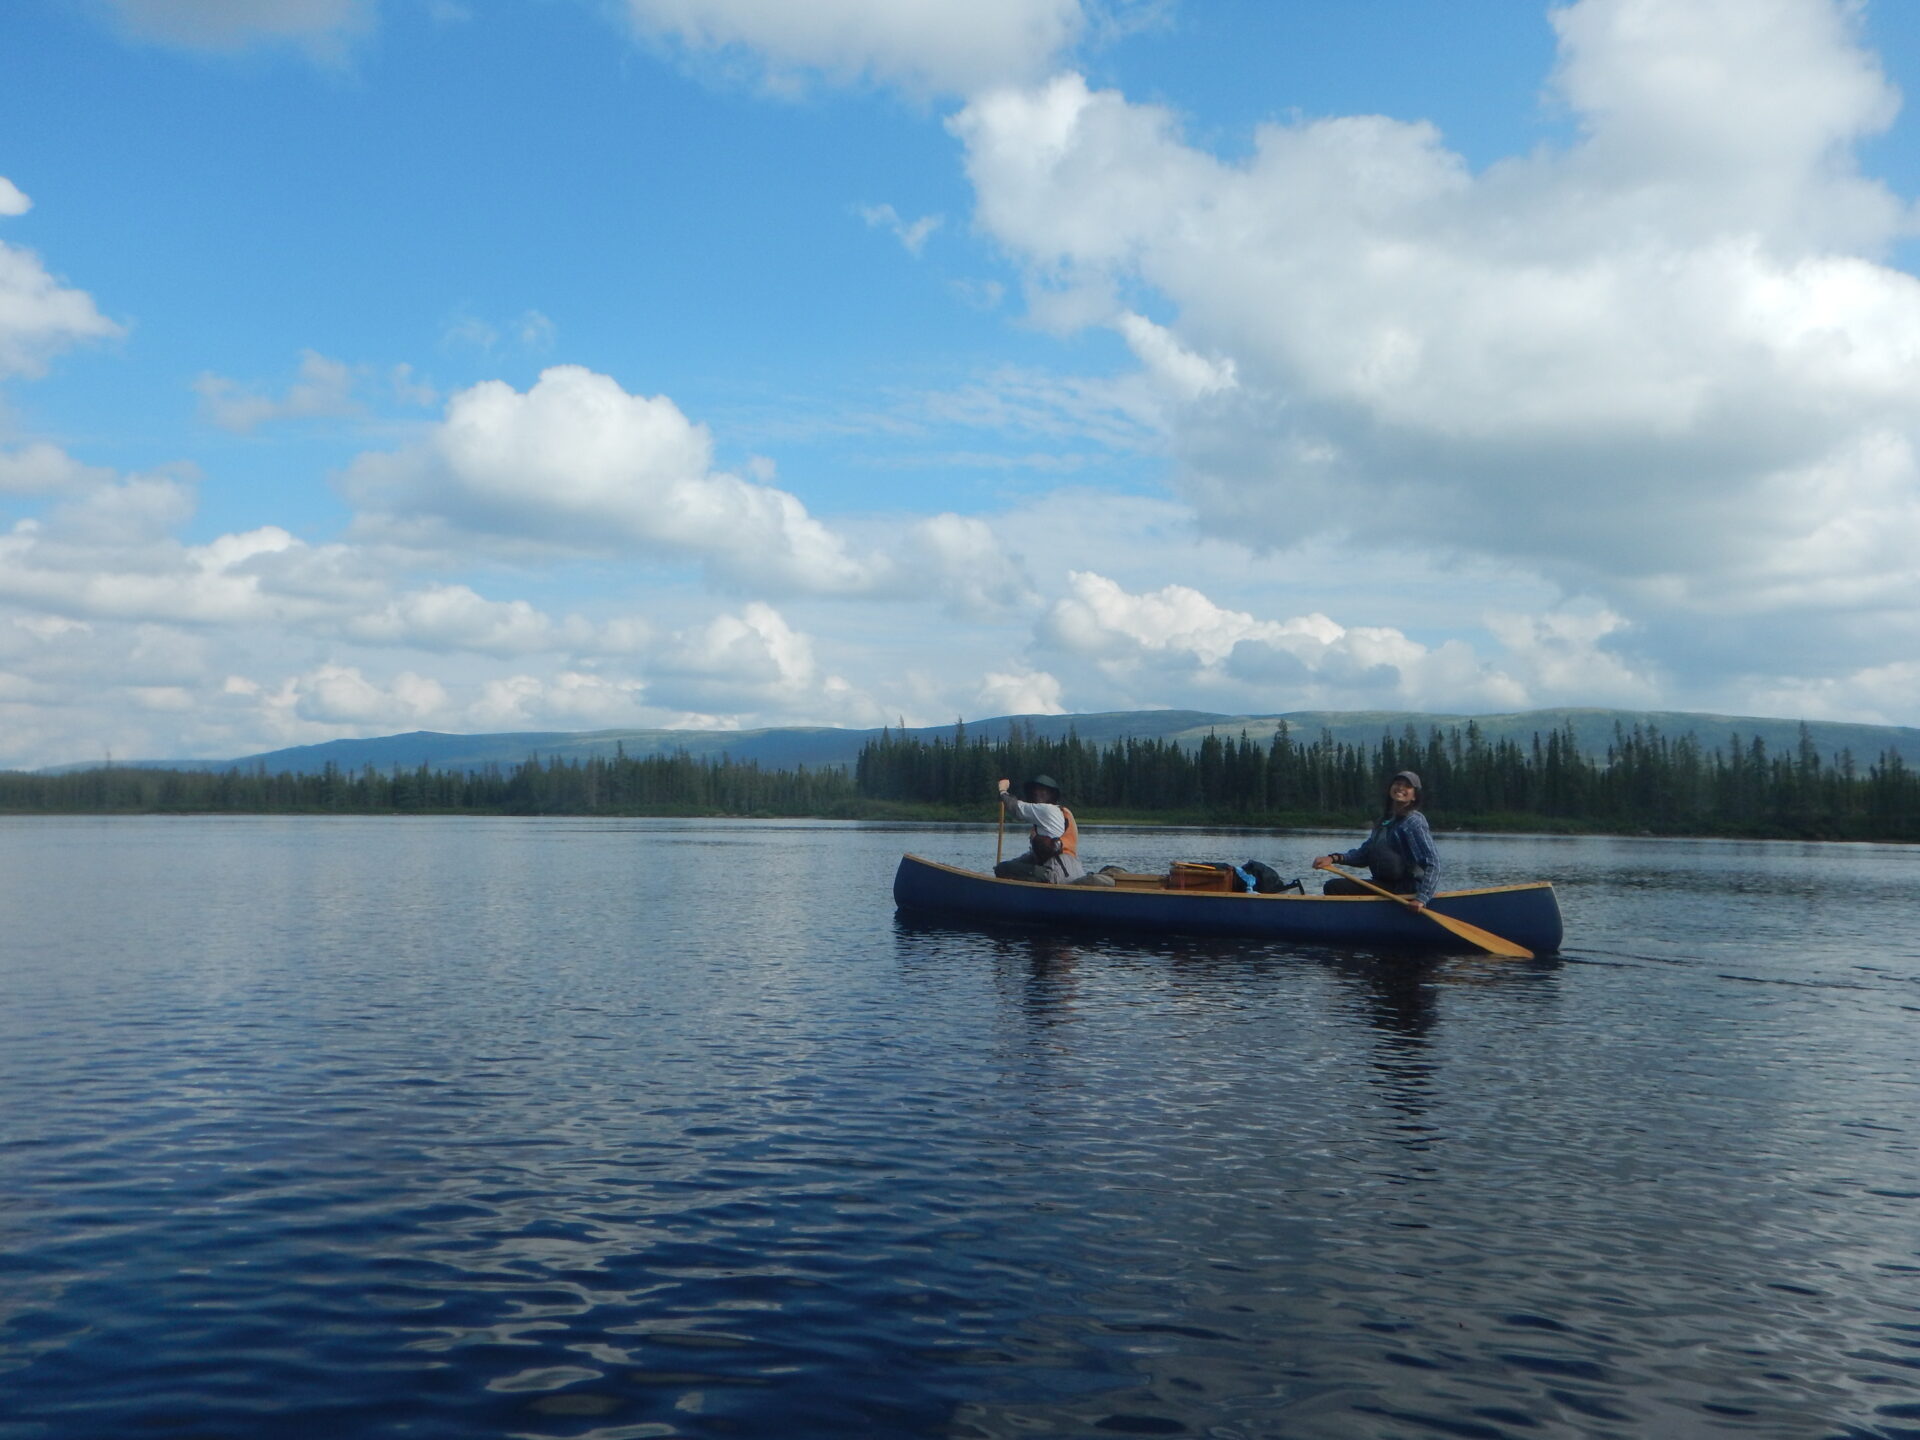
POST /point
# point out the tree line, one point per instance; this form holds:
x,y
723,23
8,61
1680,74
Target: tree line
x,y
672,784
1646,781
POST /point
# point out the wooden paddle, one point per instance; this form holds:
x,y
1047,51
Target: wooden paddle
x,y
1485,939
1000,844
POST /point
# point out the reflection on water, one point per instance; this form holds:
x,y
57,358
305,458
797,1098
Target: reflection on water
x,y
425,1128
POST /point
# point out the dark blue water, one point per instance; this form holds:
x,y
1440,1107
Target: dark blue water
x,y
467,1128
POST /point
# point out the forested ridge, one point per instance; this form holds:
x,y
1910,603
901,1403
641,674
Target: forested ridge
x,y
1645,782
620,785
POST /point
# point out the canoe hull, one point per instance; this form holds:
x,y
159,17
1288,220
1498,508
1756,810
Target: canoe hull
x,y
1528,915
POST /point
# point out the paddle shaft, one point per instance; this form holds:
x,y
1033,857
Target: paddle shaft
x,y
1485,939
1000,845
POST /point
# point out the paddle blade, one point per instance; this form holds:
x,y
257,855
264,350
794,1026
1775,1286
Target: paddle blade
x,y
1485,939
1473,934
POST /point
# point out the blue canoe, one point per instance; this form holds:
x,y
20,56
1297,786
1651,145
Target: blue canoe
x,y
1527,914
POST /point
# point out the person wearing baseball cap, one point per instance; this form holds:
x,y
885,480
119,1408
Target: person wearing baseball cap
x,y
1398,851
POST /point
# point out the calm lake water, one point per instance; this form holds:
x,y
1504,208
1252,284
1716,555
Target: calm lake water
x,y
541,1128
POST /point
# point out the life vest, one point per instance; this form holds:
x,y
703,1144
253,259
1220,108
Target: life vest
x,y
1046,847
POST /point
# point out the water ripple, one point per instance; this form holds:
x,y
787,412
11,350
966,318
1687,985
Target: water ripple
x,y
436,1129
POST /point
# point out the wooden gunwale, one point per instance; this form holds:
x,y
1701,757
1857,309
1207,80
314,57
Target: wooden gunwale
x,y
1127,886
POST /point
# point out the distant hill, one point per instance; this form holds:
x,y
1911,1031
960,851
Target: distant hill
x,y
788,747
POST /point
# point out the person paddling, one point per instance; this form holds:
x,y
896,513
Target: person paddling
x,y
1398,850
1053,845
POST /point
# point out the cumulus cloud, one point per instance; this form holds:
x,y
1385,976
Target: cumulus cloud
x,y
12,201
1020,692
926,46
39,468
1172,644
1187,375
115,630
113,556
1873,695
40,317
1663,364
256,638
744,661
340,696
325,388
1563,654
962,559
577,462
455,617
321,27
570,698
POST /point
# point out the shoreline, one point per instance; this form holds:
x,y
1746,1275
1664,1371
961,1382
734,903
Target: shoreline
x,y
886,813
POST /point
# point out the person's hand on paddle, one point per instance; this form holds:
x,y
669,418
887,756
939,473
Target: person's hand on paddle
x,y
1005,786
1323,862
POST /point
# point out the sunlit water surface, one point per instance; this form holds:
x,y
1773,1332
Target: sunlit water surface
x,y
456,1128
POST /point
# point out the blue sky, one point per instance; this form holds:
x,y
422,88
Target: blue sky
x,y
375,365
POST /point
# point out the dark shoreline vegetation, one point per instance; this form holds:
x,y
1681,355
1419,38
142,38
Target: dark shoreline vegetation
x,y
1646,783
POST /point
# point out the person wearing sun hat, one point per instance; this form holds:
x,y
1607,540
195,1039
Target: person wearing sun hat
x,y
1053,844
1398,850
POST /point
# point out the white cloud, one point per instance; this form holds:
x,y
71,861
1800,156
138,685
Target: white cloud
x,y
133,511
114,634
913,236
12,201
454,617
325,388
112,557
922,45
1560,658
570,699
340,696
1020,692
322,27
1719,111
1174,645
748,661
1875,695
50,627
1187,375
579,463
962,559
1097,617
39,317
1662,365
39,468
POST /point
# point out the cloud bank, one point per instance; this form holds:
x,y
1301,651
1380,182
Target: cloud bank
x,y
1665,365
